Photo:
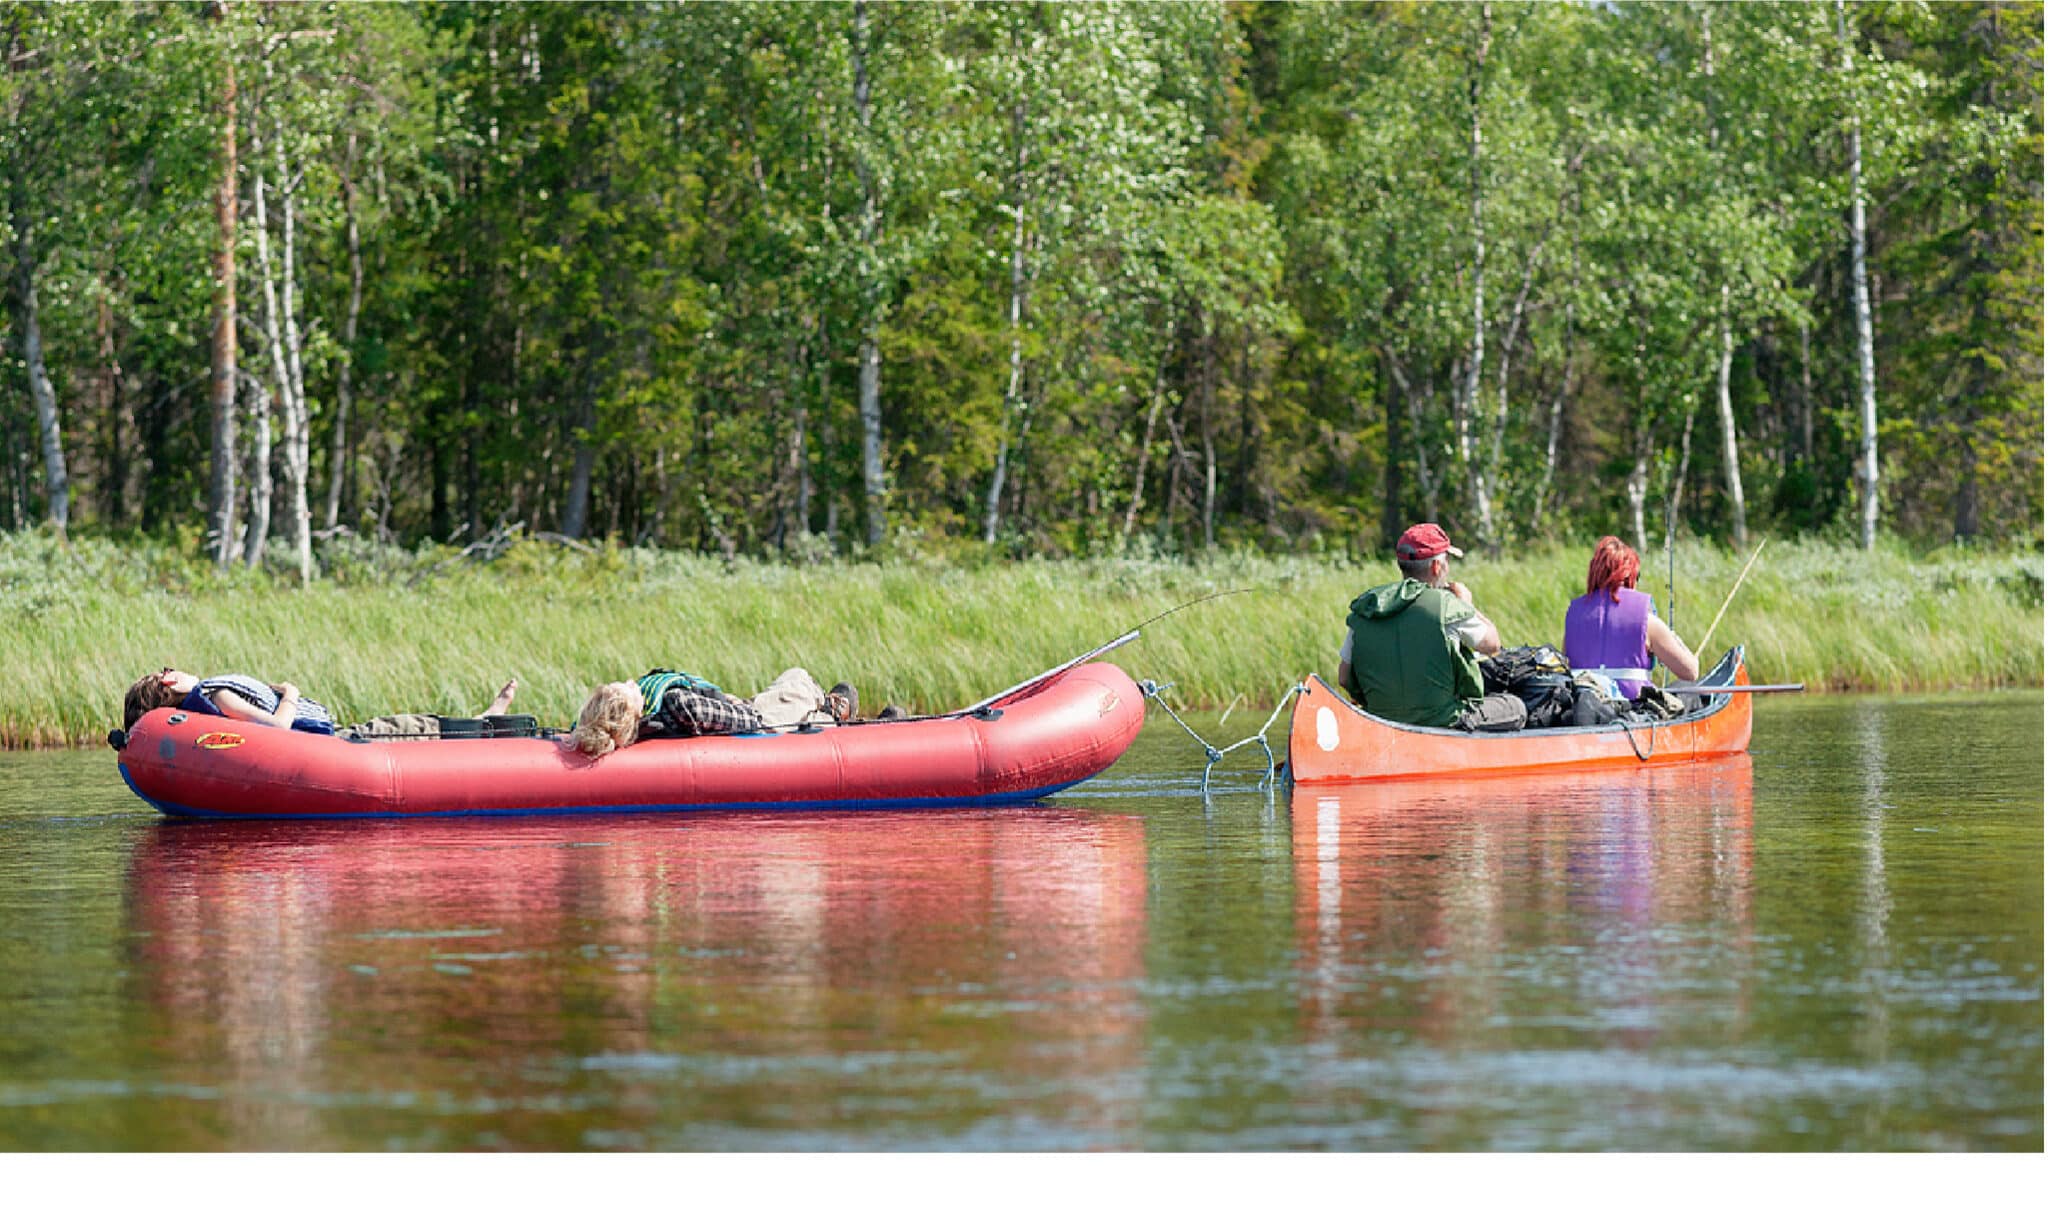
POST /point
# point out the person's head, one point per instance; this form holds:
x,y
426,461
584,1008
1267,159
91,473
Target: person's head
x,y
1424,554
1614,567
165,687
609,719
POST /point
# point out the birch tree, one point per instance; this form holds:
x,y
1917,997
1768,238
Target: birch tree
x,y
1859,279
42,79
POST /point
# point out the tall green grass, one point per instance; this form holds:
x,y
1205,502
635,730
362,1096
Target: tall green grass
x,y
397,630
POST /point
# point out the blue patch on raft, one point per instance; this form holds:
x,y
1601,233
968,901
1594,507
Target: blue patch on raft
x,y
810,805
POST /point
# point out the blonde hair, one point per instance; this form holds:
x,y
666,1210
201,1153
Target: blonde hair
x,y
608,721
147,694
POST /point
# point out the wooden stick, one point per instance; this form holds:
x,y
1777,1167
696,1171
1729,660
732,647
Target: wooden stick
x,y
1731,594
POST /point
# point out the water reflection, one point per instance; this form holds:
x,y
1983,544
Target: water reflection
x,y
1474,912
636,982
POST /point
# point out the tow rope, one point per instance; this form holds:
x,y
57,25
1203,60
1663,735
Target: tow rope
x,y
1156,693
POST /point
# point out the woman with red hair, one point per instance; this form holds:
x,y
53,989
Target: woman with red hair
x,y
1614,629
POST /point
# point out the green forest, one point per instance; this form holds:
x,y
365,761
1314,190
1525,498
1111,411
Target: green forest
x,y
801,280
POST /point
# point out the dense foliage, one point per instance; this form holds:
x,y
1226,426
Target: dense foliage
x,y
1062,278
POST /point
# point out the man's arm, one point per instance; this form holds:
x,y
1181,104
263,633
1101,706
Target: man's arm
x,y
1488,643
1478,633
1344,665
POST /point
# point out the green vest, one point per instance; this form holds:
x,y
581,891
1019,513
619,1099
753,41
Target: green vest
x,y
656,683
1407,663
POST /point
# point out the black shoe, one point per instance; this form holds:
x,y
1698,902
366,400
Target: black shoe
x,y
892,711
844,703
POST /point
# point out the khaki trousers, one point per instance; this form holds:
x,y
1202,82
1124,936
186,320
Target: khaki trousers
x,y
792,700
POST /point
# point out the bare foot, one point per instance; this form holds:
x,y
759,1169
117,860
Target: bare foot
x,y
503,702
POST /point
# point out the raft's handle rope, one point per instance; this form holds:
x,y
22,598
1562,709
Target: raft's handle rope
x,y
1155,692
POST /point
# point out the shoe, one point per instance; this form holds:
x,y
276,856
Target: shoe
x,y
892,711
844,702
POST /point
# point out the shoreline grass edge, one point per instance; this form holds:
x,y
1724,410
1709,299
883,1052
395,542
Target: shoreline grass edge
x,y
411,630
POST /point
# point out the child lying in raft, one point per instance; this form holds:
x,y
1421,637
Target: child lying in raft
x,y
667,703
237,696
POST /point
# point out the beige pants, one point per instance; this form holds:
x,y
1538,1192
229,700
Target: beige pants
x,y
793,700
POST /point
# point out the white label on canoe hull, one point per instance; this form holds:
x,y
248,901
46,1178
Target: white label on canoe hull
x,y
1326,729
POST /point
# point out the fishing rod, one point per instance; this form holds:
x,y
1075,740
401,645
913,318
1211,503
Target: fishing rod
x,y
1732,591
1126,637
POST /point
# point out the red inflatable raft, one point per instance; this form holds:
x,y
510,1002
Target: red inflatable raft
x,y
1024,747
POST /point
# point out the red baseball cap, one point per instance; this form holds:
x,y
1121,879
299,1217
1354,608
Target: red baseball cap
x,y
1425,541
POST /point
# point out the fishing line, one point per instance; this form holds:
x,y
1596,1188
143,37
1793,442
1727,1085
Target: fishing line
x,y
1191,604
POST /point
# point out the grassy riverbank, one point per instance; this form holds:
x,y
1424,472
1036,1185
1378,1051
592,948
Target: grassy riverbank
x,y
394,630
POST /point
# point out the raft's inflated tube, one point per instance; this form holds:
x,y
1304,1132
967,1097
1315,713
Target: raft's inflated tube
x,y
189,764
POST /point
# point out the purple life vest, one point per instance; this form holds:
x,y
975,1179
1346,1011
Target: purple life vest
x,y
1611,637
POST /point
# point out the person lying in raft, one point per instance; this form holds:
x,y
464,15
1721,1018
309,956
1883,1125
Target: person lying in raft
x,y
1411,648
237,696
671,704
1613,630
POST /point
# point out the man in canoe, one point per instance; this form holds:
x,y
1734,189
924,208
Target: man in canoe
x,y
1411,648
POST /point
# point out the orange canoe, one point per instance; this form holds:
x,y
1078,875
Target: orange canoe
x,y
1331,740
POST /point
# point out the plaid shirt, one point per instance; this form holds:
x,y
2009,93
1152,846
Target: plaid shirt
x,y
695,712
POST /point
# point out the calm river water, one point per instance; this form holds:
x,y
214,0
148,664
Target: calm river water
x,y
1832,944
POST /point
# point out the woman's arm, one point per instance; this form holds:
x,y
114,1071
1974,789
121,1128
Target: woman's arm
x,y
1668,647
235,706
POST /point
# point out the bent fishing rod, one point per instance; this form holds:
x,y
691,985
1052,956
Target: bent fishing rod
x,y
1793,688
1127,636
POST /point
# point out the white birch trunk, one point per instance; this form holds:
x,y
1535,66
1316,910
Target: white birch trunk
x,y
870,392
1637,489
257,532
1731,456
221,382
1866,358
1012,392
259,458
1208,421
1490,467
799,462
56,479
1806,390
1637,486
1466,399
297,413
1564,392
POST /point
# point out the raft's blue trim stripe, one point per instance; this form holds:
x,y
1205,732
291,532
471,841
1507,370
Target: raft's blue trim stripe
x,y
807,805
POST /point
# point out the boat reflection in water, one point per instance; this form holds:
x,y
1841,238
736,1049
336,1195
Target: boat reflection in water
x,y
727,981
1589,911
